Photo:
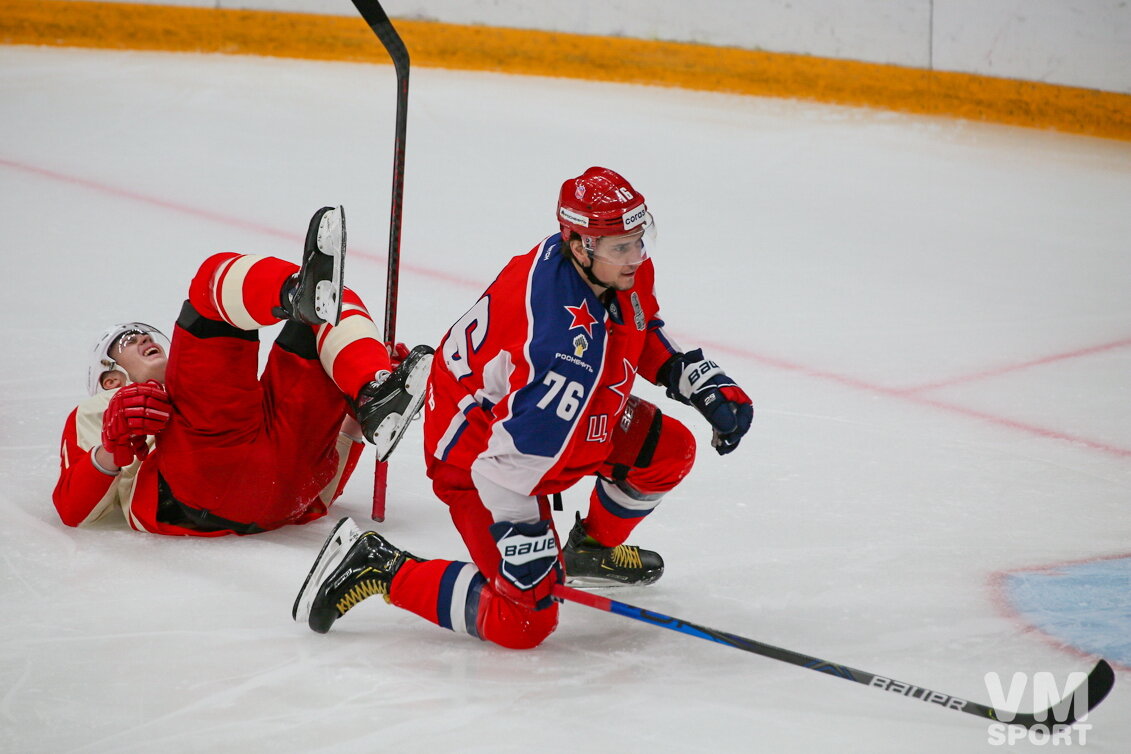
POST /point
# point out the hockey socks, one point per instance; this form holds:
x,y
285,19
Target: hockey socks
x,y
613,513
240,289
443,592
352,353
454,595
243,290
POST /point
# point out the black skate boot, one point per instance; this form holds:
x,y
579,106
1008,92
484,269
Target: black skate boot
x,y
385,407
313,295
587,563
352,565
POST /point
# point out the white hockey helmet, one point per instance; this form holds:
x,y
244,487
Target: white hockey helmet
x,y
100,359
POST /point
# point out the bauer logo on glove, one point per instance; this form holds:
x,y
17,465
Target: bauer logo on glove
x,y
529,565
694,380
528,550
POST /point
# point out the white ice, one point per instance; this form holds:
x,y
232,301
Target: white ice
x,y
933,318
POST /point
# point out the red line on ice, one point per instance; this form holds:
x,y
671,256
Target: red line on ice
x,y
222,219
1017,367
906,394
104,188
914,397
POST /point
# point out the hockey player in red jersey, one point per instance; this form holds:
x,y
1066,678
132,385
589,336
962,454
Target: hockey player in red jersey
x,y
532,392
186,439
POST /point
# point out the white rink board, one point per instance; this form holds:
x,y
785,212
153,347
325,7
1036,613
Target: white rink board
x,y
1085,43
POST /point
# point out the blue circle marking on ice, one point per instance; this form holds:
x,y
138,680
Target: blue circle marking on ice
x,y
1084,605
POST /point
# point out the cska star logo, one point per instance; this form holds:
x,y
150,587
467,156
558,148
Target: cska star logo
x,y
580,343
623,387
582,318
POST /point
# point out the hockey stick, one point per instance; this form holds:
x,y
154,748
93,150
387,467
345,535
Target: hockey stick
x,y
1099,682
379,22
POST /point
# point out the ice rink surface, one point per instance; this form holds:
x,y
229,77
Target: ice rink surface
x,y
933,318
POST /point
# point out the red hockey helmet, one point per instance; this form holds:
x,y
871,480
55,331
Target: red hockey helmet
x,y
600,202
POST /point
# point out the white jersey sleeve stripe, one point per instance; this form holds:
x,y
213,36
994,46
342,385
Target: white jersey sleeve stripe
x,y
459,421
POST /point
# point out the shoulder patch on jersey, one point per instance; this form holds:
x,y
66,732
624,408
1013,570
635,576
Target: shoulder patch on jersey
x,y
637,311
613,308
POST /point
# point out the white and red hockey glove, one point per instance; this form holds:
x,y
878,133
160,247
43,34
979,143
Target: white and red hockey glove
x,y
697,381
530,564
137,410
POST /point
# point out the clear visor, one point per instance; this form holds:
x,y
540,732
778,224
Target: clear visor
x,y
124,341
625,251
132,334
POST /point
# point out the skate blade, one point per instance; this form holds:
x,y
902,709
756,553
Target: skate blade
x,y
332,243
327,302
417,383
598,582
332,232
333,552
587,583
393,427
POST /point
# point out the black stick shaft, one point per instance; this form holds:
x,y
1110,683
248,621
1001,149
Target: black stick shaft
x,y
379,22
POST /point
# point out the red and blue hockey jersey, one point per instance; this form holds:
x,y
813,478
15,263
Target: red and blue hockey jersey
x,y
530,382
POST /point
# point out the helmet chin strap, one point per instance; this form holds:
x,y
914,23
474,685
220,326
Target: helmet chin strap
x,y
588,271
593,278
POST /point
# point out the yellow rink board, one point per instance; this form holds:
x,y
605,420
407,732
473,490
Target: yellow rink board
x,y
618,59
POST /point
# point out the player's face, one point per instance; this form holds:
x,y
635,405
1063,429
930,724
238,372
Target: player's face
x,y
617,258
141,356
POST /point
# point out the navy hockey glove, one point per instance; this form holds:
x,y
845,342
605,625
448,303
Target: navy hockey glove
x,y
529,567
697,381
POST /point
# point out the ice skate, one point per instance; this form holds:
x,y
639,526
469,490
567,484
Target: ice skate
x,y
351,566
333,551
587,563
313,296
385,408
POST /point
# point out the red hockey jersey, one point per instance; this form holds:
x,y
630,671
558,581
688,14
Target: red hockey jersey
x,y
84,494
531,380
